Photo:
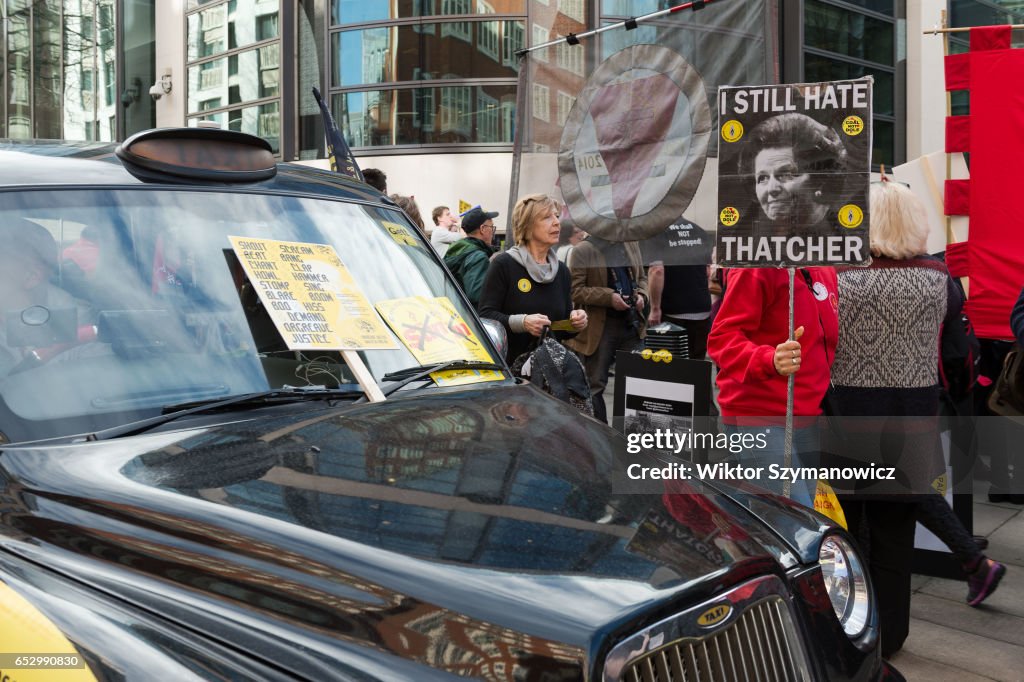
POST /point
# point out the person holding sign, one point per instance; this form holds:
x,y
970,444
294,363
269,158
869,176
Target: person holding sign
x,y
526,287
755,359
794,161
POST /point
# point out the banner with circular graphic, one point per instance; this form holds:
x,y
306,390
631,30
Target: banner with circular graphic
x,y
635,143
794,171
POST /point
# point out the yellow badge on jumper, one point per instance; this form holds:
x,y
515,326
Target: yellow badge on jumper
x,y
525,285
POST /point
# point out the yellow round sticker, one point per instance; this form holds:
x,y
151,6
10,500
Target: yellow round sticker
x,y
663,356
646,353
851,216
732,131
525,285
729,216
853,125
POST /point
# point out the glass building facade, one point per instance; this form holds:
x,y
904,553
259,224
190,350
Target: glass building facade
x,y
233,63
837,39
76,69
401,76
411,74
963,13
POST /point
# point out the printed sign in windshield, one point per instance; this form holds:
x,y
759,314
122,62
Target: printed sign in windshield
x,y
434,331
310,295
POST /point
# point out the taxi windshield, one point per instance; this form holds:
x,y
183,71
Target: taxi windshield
x,y
118,304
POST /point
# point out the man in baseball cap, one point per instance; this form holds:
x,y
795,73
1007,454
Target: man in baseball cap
x,y
468,258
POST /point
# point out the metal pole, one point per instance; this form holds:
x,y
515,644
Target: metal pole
x,y
949,111
935,31
630,24
787,448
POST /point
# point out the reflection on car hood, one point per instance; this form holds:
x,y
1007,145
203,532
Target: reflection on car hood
x,y
486,509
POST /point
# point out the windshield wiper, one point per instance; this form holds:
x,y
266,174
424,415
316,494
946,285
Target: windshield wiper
x,y
290,394
410,374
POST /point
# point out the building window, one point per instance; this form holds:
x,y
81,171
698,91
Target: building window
x,y
570,58
512,42
455,110
458,29
572,9
540,36
109,82
234,61
489,39
541,102
966,13
487,118
565,103
508,119
374,58
423,113
843,41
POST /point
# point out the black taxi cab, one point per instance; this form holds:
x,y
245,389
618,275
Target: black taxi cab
x,y
250,428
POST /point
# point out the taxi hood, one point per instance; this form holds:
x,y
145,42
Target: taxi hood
x,y
490,505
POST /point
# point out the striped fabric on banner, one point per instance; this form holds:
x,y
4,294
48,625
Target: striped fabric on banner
x,y
994,136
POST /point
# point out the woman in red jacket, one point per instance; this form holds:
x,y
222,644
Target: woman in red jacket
x,y
749,343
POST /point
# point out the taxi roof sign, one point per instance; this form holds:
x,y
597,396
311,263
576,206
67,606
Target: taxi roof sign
x,y
197,154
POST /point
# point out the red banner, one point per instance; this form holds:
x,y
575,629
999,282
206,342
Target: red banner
x,y
996,241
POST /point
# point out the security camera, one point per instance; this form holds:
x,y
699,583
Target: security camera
x,y
156,91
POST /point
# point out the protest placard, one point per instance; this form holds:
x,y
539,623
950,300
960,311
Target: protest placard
x,y
794,164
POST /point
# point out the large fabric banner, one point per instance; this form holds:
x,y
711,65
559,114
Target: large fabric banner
x,y
617,127
994,136
634,146
793,174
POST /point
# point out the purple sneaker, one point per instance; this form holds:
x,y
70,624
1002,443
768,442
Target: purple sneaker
x,y
983,581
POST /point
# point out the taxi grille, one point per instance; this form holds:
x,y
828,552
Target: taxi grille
x,y
754,647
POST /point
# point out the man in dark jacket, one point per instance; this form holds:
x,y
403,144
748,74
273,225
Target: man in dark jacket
x,y
468,258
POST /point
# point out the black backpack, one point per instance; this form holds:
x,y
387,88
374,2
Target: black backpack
x,y
959,357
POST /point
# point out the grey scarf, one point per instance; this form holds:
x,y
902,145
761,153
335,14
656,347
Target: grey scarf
x,y
533,268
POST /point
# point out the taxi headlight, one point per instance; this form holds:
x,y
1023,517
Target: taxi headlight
x,y
846,582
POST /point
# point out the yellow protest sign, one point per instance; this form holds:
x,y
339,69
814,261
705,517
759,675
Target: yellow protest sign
x,y
400,233
32,648
458,377
434,331
310,295
464,206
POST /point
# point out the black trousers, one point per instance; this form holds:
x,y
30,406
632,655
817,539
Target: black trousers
x,y
884,531
617,335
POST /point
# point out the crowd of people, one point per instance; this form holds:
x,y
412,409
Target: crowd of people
x,y
873,357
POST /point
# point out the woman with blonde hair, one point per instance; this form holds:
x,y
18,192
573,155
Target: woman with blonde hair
x,y
885,374
526,287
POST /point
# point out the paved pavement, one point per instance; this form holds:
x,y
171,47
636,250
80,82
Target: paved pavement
x,y
949,640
